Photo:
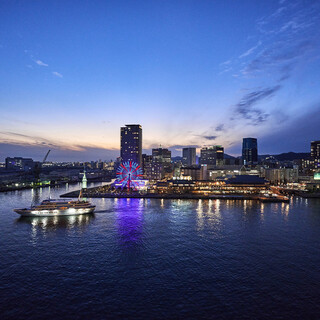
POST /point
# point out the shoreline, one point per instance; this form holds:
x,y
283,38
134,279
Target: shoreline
x,y
75,194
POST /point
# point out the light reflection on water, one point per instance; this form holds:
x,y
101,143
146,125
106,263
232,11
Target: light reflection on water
x,y
129,220
150,258
45,225
209,216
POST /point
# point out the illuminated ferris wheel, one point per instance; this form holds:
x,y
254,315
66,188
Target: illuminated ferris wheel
x,y
128,173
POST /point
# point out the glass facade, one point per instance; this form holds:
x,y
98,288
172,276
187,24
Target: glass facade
x,y
189,156
249,151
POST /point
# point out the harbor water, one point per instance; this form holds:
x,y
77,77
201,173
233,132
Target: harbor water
x,y
160,259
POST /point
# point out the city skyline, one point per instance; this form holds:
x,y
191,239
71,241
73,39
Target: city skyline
x,y
192,74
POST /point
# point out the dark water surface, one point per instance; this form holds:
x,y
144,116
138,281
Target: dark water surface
x,y
161,259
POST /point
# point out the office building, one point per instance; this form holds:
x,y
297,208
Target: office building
x,y
131,143
249,151
162,155
154,171
315,153
189,157
212,156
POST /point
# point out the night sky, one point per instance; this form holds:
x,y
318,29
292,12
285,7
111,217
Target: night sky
x,y
192,73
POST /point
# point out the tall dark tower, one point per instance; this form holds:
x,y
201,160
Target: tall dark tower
x,y
250,151
189,156
131,143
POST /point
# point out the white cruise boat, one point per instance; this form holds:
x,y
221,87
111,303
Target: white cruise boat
x,y
60,207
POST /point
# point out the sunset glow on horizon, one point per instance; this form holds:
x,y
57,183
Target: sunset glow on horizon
x,y
192,73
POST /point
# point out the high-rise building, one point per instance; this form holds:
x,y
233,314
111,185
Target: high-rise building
x,y
189,156
131,143
212,156
315,153
249,151
162,155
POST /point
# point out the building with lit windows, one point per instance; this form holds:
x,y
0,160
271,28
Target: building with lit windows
x,y
212,156
18,163
131,143
249,151
315,153
162,155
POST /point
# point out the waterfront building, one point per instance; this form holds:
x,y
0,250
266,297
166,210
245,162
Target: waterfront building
x,y
146,159
158,165
282,175
212,156
154,170
249,151
19,163
192,172
162,155
131,143
315,153
241,185
189,156
195,172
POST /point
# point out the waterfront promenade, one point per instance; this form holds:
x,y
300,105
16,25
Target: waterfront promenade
x,y
94,193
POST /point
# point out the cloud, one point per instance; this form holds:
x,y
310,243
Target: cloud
x,y
37,152
295,134
226,66
41,63
179,146
210,137
225,63
220,127
250,51
245,107
289,35
57,74
21,139
282,57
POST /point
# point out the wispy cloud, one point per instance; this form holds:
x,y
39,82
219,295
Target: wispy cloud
x,y
180,147
278,56
57,74
250,51
225,63
288,36
41,63
16,138
246,107
220,127
210,137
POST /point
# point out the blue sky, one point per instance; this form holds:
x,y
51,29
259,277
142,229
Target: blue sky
x,y
190,72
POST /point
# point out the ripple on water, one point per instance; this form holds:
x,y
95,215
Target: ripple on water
x,y
148,258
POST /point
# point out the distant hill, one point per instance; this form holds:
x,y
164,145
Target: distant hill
x,y
288,156
227,156
176,158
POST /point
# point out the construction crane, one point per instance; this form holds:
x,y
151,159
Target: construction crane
x,y
38,168
45,158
